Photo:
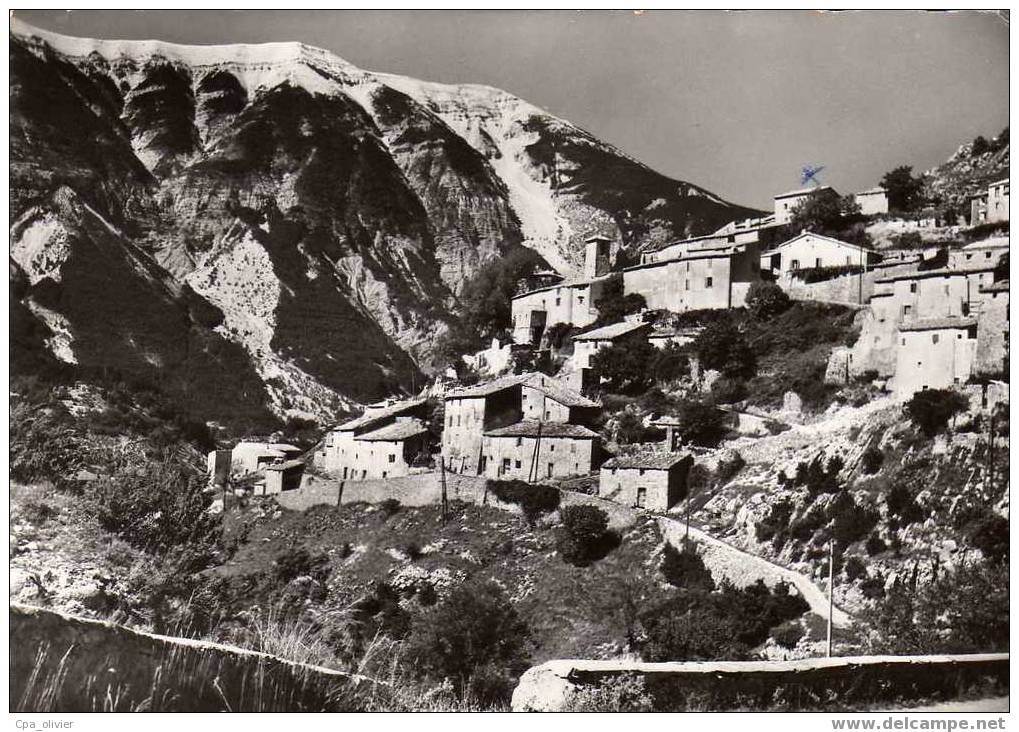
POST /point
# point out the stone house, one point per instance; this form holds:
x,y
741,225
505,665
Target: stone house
x,y
545,399
978,254
253,457
812,251
492,360
785,203
992,329
708,279
656,481
285,476
532,450
388,452
587,344
997,201
872,202
340,456
568,301
474,410
933,353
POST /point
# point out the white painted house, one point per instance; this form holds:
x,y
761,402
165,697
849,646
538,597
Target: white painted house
x,y
811,251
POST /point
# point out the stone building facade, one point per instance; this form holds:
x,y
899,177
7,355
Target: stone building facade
x,y
342,456
655,481
472,411
702,280
786,203
811,251
532,450
933,353
992,355
872,202
997,201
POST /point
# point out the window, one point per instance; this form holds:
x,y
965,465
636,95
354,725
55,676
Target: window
x,y
385,474
557,301
516,464
934,338
551,448
794,265
458,420
580,299
550,468
907,309
848,259
903,341
505,464
641,497
344,473
519,441
969,257
688,284
364,474
707,282
640,471
817,262
912,287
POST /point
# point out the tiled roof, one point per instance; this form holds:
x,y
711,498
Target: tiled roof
x,y
833,240
943,272
280,447
395,432
558,392
609,332
937,324
803,191
529,428
286,465
578,282
370,418
872,191
647,461
1000,286
489,387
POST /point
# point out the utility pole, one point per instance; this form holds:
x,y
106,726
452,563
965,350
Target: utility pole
x,y
990,453
534,457
831,589
442,474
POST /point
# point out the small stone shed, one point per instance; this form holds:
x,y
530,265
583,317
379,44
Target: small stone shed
x,y
655,481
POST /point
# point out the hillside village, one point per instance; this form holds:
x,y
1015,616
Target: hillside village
x,y
932,316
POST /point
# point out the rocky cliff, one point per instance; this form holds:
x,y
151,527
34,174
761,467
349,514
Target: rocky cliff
x,y
271,223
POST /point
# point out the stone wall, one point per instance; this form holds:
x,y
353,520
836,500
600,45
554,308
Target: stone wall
x,y
818,684
63,663
412,490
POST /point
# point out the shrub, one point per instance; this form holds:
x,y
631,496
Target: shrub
x,y
902,504
721,346
875,545
534,499
872,460
931,409
671,364
989,534
299,562
684,568
389,507
702,424
850,521
584,536
625,367
873,588
727,391
766,300
775,523
623,693
788,634
855,569
474,632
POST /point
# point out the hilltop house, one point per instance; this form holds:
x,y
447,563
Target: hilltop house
x,y
253,457
872,202
533,450
813,251
545,399
656,481
786,203
349,449
587,344
990,206
978,254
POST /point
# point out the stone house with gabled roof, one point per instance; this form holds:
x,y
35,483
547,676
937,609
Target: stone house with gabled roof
x,y
656,481
992,355
933,353
472,410
341,457
534,451
545,399
814,251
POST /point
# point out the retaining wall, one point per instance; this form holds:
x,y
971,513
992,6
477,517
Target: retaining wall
x,y
410,490
819,683
64,663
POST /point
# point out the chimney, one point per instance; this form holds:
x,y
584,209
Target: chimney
x,y
596,256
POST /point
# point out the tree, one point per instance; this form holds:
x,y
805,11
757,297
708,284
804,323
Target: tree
x,y
613,306
721,346
626,366
980,145
558,335
702,424
485,300
474,632
584,536
684,568
766,300
825,212
671,363
903,189
931,409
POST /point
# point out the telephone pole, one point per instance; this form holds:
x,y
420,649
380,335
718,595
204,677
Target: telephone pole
x,y
831,589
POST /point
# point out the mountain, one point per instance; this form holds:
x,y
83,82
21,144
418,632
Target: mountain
x,y
273,225
970,170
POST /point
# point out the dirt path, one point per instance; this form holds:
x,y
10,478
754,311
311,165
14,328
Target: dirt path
x,y
742,568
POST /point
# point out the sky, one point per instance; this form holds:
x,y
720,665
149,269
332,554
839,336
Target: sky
x,y
737,102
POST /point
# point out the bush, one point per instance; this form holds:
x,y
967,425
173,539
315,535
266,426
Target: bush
x,y
871,460
721,346
625,367
299,562
788,634
902,504
473,635
624,693
875,545
931,409
684,568
534,499
727,391
389,507
584,536
671,364
766,300
855,569
989,534
702,424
